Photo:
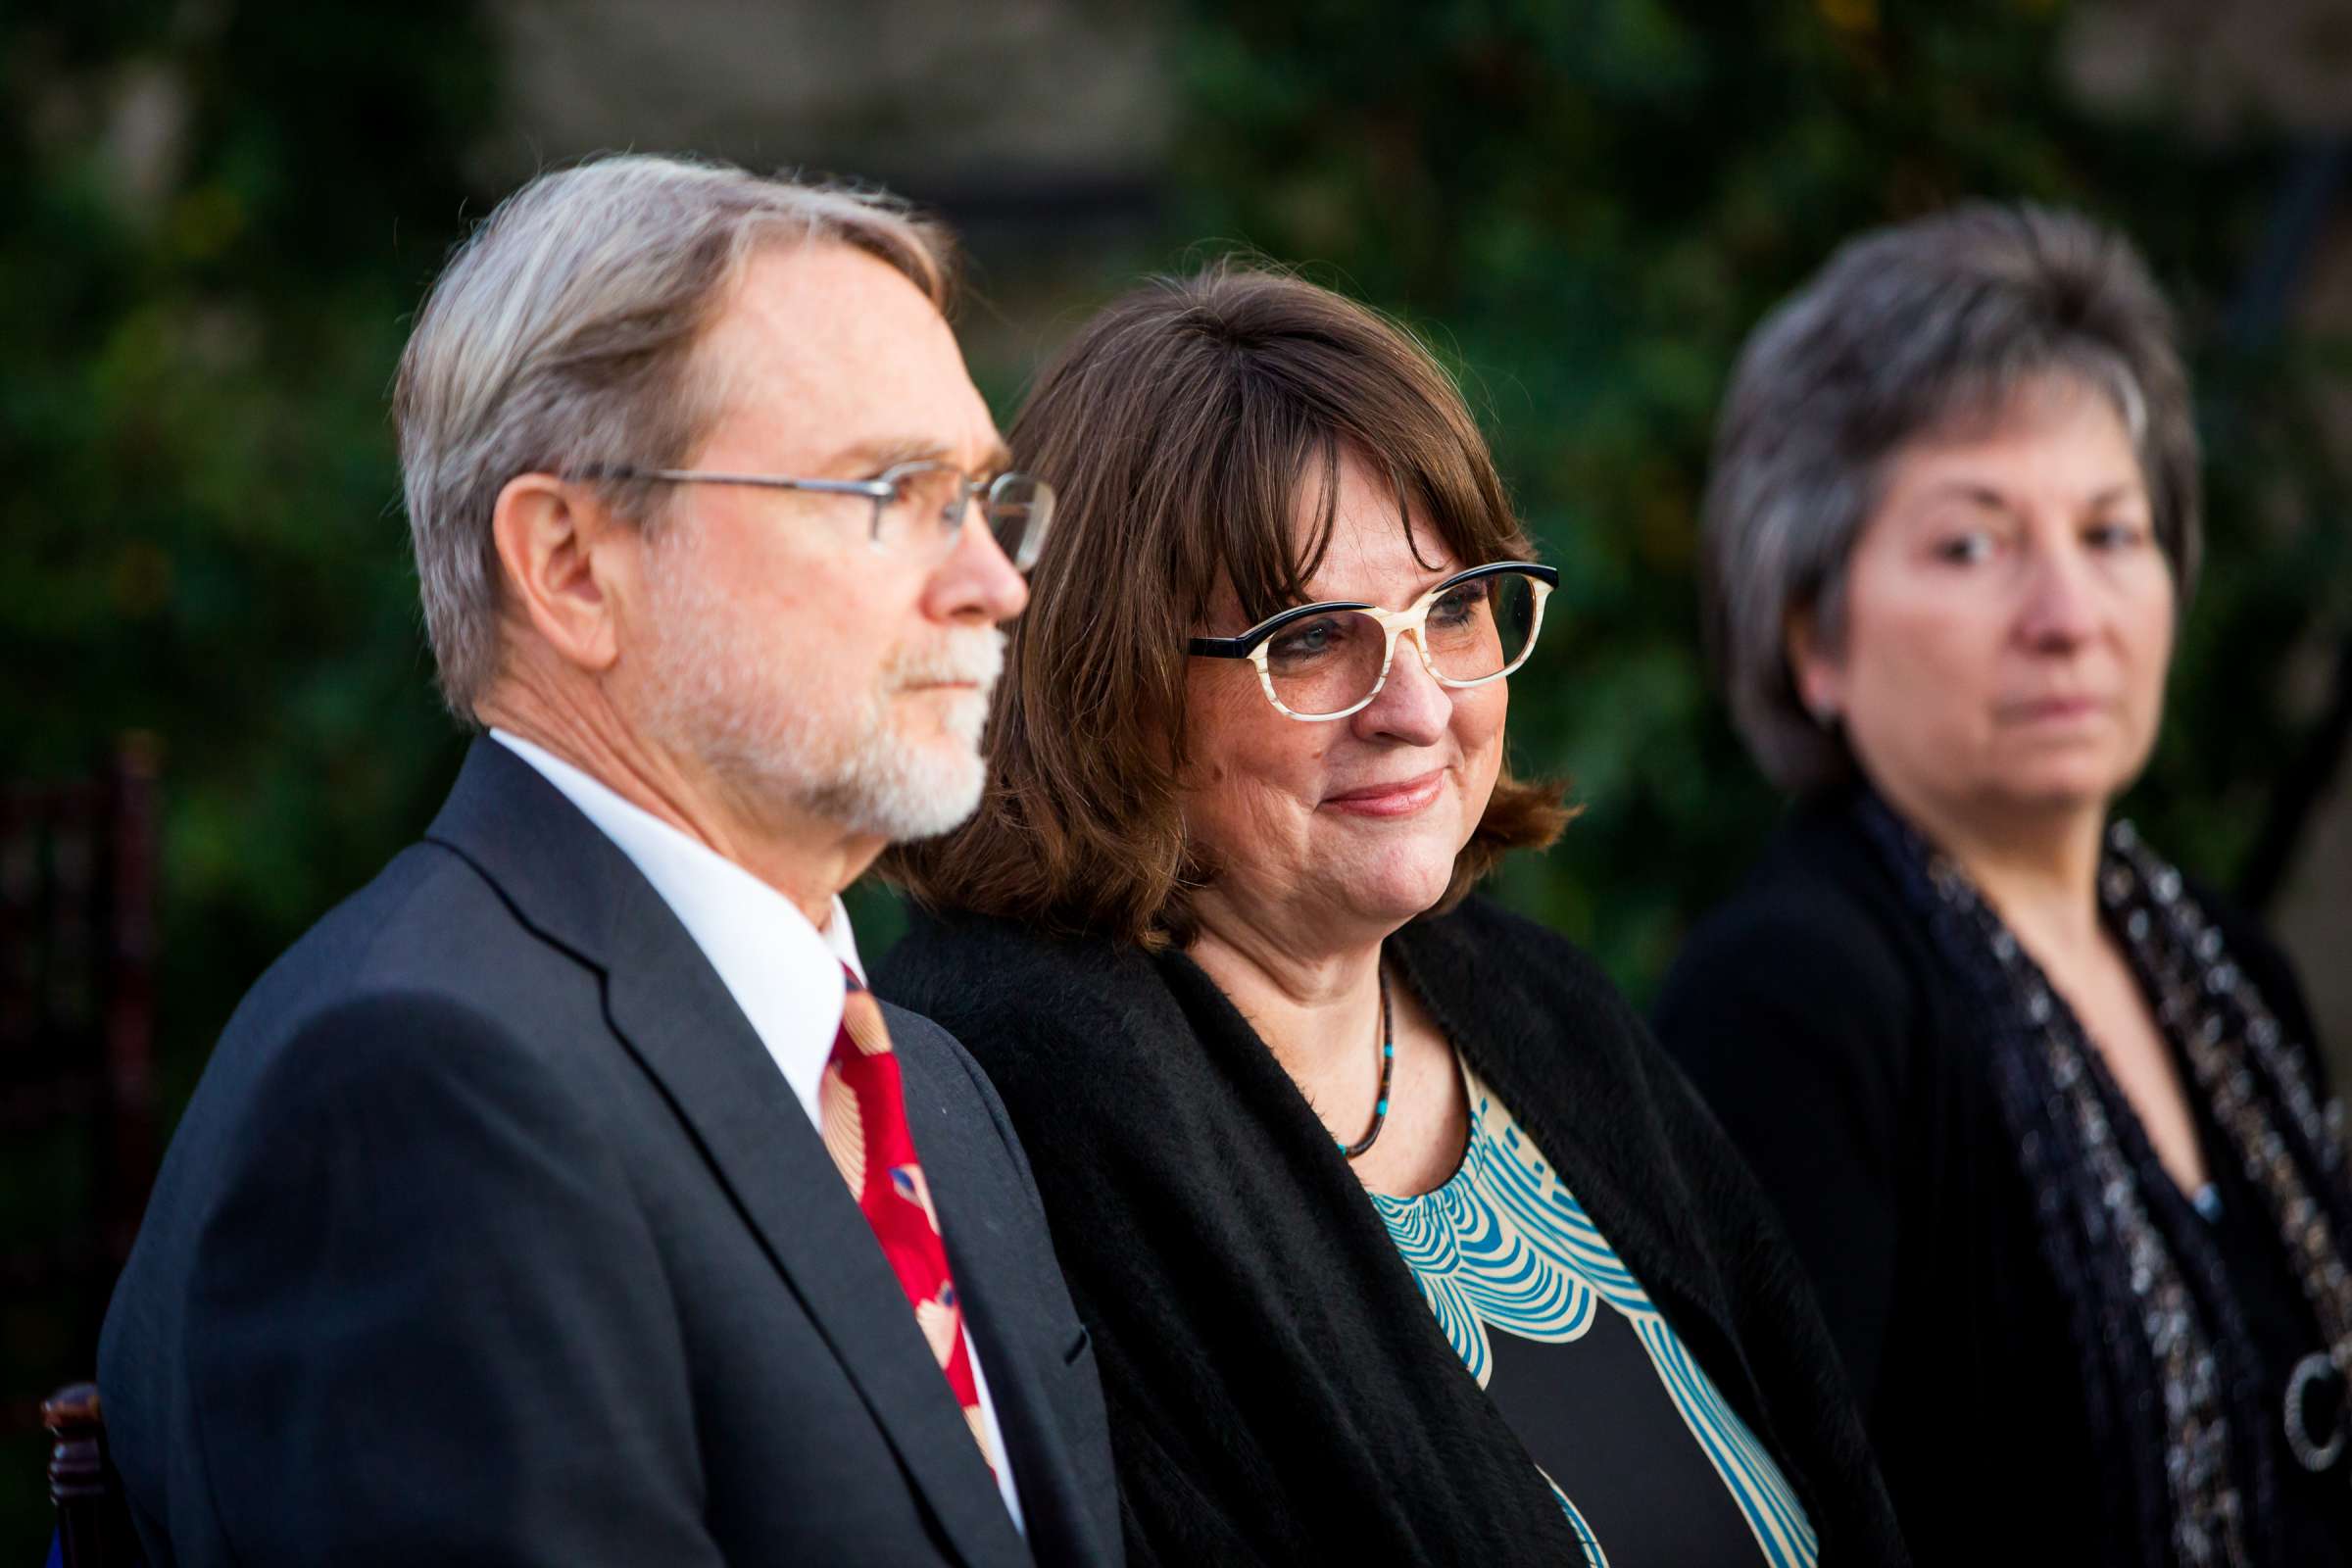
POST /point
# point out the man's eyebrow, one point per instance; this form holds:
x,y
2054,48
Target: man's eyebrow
x,y
869,458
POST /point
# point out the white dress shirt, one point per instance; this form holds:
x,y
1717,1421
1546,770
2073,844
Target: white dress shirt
x,y
783,972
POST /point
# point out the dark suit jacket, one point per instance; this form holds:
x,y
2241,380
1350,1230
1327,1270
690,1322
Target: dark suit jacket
x,y
493,1235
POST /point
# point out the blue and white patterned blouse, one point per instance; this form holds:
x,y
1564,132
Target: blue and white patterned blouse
x,y
1650,1461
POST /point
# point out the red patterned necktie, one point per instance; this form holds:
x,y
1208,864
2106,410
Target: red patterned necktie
x,y
864,1115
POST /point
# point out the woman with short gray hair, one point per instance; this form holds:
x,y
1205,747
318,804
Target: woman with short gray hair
x,y
2047,1122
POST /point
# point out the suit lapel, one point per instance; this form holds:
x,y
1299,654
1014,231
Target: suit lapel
x,y
674,1015
1022,1341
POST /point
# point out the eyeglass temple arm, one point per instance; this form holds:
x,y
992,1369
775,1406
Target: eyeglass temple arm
x,y
871,489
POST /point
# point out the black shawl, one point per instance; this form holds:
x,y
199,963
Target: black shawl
x,y
1853,1063
1278,1391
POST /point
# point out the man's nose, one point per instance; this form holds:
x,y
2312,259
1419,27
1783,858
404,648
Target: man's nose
x,y
977,581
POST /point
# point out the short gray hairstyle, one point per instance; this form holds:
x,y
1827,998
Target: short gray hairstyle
x,y
561,339
1903,331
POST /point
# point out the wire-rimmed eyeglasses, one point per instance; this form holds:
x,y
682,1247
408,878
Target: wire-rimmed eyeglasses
x,y
917,504
1327,661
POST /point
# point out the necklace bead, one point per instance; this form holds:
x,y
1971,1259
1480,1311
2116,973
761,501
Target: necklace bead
x,y
1388,1066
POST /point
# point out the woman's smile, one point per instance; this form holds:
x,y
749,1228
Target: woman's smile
x,y
1398,798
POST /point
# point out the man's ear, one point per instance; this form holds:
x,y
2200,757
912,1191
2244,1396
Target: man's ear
x,y
1814,667
560,546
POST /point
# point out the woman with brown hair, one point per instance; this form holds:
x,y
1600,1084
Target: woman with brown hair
x,y
1398,1238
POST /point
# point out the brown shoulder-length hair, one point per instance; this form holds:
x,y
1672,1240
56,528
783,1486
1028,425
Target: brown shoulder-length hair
x,y
1177,430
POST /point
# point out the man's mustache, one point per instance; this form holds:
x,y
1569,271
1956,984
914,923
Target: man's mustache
x,y
974,657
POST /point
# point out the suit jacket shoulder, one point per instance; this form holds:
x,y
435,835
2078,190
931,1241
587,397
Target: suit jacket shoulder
x,y
492,1233
386,1193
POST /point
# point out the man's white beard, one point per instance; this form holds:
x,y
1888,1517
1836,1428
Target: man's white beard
x,y
883,786
835,754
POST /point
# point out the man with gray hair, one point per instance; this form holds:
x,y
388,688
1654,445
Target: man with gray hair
x,y
563,1197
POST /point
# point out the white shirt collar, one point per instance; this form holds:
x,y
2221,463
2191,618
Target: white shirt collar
x,y
783,972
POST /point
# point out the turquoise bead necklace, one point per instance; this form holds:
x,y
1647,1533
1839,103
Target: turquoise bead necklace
x,y
1388,1066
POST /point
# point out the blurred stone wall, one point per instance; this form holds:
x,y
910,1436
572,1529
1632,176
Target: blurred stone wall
x,y
1040,136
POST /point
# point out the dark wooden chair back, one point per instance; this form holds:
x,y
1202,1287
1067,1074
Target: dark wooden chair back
x,y
78,1116
94,1521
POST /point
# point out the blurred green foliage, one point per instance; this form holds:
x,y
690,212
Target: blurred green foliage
x,y
218,219
225,215
1586,207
